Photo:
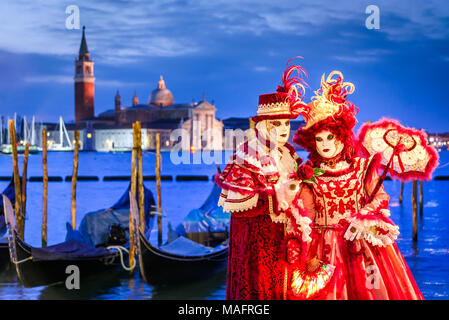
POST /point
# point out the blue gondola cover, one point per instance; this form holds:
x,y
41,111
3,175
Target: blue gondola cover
x,y
209,217
94,227
69,250
188,248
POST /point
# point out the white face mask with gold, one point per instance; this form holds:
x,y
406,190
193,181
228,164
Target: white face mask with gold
x,y
279,130
327,145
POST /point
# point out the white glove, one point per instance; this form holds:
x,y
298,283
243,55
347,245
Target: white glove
x,y
354,230
286,192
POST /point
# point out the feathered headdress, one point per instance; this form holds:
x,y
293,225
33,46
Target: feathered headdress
x,y
330,100
330,110
286,103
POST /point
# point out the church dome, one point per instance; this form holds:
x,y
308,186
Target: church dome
x,y
161,96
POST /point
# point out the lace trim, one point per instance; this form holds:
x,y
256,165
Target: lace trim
x,y
273,108
280,218
367,229
341,165
303,225
377,239
339,178
235,202
345,176
296,224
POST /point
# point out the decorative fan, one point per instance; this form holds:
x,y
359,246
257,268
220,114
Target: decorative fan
x,y
307,285
404,151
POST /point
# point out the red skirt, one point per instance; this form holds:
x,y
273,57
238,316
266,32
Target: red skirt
x,y
255,271
363,271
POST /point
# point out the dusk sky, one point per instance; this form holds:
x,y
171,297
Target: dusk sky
x,y
230,50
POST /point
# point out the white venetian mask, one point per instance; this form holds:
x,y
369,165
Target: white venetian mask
x,y
327,145
279,129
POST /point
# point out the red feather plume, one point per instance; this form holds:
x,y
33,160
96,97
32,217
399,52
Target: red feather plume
x,y
294,86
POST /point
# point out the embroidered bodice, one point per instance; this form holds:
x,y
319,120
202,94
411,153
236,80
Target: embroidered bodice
x,y
340,193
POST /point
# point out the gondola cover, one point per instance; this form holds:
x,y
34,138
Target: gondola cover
x,y
69,250
208,218
182,246
95,226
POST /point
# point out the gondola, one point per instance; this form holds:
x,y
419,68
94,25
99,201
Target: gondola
x,y
197,251
4,250
48,266
109,227
4,253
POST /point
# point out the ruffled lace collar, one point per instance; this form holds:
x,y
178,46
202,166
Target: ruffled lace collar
x,y
342,167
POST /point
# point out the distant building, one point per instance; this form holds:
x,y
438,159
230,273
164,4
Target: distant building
x,y
112,130
439,141
84,83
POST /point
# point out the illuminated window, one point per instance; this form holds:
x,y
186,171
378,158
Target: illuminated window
x,y
89,135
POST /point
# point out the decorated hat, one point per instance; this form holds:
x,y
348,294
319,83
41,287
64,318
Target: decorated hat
x,y
330,100
286,102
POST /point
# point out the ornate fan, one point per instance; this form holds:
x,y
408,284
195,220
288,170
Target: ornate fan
x,y
307,285
405,152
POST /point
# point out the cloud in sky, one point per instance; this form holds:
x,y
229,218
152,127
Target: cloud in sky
x,y
117,30
65,79
261,69
131,30
364,56
222,47
60,79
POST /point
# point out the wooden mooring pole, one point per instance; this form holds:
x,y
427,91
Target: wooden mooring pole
x,y
75,178
421,196
158,189
45,188
132,239
415,210
140,178
15,165
24,184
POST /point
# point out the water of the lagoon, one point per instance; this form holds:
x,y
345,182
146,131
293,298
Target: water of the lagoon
x,y
428,261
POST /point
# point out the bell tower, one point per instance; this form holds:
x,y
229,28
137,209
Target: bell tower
x,y
84,83
135,99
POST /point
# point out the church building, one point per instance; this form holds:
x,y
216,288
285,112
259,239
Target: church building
x,y
111,130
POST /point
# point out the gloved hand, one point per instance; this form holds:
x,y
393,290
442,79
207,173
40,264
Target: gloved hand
x,y
285,193
354,230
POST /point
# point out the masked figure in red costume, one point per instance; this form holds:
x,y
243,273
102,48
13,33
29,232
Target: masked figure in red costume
x,y
249,182
351,230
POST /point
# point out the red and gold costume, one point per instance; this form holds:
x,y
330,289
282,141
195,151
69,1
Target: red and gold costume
x,y
254,267
352,231
249,182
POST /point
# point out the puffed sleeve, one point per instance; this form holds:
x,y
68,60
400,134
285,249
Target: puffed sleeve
x,y
372,222
305,213
299,241
306,195
243,191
